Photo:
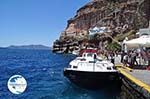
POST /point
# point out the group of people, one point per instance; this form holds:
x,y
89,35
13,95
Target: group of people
x,y
134,58
109,55
131,58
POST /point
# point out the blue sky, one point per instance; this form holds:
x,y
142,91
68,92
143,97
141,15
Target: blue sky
x,y
24,22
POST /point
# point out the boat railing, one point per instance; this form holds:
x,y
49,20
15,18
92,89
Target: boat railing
x,y
92,63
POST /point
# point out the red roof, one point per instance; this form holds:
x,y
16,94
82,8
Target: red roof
x,y
88,51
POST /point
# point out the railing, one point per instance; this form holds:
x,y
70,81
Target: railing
x,y
94,64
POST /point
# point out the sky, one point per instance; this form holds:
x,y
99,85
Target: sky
x,y
25,22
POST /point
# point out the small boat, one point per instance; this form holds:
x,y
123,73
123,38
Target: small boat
x,y
91,71
75,52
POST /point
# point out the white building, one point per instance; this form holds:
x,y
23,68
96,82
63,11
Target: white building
x,y
99,30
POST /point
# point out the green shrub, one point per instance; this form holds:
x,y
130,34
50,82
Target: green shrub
x,y
113,46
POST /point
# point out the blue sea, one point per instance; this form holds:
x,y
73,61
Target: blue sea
x,y
43,71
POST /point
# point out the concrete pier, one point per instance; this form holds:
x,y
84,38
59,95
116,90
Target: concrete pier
x,y
142,75
139,79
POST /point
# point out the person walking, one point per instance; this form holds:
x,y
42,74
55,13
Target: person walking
x,y
122,55
125,59
112,58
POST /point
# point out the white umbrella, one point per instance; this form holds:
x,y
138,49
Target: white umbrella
x,y
143,41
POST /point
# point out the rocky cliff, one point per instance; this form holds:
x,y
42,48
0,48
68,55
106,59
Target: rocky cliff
x,y
120,16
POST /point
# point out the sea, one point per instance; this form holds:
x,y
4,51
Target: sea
x,y
43,71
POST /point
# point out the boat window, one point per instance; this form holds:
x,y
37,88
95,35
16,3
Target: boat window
x,y
70,66
89,55
108,68
83,55
74,66
83,59
91,61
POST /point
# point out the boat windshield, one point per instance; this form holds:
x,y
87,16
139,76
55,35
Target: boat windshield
x,y
89,55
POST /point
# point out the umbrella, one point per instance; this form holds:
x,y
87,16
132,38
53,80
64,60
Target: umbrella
x,y
143,41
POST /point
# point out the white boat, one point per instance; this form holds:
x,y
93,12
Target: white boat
x,y
76,51
89,70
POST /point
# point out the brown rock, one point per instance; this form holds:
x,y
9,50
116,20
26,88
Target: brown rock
x,y
120,16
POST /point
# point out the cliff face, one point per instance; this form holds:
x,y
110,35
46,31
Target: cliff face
x,y
120,19
120,16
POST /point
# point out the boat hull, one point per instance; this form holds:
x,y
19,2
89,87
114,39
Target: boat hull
x,y
93,80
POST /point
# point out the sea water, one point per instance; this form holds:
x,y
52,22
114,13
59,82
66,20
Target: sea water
x,y
43,71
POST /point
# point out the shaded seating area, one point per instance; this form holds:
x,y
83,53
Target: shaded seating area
x,y
137,52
